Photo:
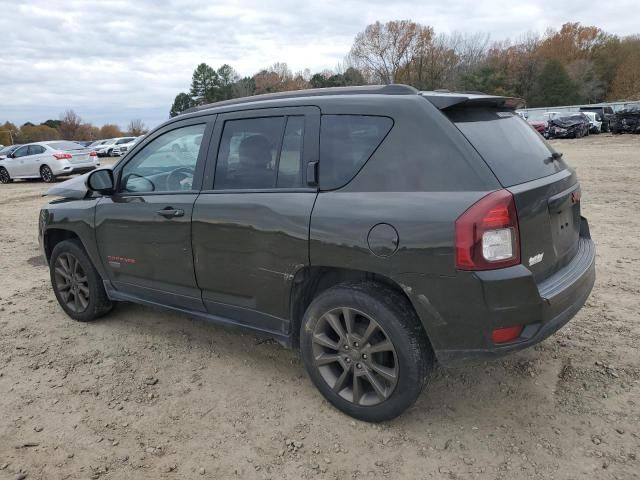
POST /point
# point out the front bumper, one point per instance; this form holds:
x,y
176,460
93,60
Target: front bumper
x,y
461,312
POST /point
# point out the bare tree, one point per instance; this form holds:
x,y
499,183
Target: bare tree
x,y
137,127
70,123
383,50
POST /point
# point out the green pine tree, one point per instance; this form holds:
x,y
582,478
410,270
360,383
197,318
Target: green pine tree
x,y
205,85
554,87
181,103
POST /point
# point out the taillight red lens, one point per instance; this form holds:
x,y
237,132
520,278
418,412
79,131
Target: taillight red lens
x,y
93,154
507,334
62,156
487,235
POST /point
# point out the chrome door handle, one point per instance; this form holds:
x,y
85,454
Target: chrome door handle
x,y
169,212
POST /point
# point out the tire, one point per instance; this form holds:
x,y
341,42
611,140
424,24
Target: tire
x,y
109,152
4,176
342,369
88,299
46,174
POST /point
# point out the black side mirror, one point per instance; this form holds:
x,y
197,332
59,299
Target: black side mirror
x,y
101,181
11,155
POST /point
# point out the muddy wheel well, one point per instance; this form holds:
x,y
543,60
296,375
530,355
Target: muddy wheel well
x,y
54,236
312,281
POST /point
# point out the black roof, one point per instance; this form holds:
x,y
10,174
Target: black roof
x,y
441,99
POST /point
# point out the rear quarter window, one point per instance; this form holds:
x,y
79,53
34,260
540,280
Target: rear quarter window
x,y
513,150
346,143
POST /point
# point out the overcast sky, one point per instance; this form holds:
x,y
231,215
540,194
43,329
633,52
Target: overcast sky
x,y
114,60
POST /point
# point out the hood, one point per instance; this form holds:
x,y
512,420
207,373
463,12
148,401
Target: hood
x,y
74,188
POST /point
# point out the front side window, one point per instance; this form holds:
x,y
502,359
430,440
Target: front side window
x,y
346,143
166,164
22,152
260,153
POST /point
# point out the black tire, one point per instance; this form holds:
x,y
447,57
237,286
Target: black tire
x,y
46,174
412,357
4,176
109,152
96,303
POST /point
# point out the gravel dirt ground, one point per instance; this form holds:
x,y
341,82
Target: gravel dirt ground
x,y
144,393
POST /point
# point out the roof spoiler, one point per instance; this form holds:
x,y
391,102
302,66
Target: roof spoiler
x,y
443,100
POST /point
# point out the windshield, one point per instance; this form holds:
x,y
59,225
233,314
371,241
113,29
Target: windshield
x,y
514,151
65,146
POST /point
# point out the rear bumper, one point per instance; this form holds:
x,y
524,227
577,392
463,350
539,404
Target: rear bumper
x,y
72,169
460,320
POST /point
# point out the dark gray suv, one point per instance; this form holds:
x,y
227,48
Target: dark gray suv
x,y
380,229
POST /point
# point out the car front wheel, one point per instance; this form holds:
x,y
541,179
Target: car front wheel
x,y
4,176
365,350
76,283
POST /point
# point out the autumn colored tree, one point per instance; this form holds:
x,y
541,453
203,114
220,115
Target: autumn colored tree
x,y
384,50
70,123
36,133
626,83
110,131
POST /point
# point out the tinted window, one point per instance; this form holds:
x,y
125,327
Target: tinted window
x,y
290,161
512,149
22,152
346,143
165,164
36,149
248,153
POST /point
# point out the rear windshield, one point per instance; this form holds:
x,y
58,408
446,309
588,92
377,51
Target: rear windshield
x,y
65,146
514,151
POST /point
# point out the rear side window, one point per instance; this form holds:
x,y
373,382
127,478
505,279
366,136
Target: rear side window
x,y
260,153
346,143
514,151
36,149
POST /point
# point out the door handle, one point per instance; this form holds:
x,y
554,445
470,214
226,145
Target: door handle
x,y
170,212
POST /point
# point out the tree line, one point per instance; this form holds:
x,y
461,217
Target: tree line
x,y
69,126
575,64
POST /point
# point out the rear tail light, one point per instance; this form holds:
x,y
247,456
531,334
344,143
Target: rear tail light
x,y
93,154
487,235
62,156
507,334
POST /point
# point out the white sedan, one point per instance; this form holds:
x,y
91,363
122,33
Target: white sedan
x,y
47,160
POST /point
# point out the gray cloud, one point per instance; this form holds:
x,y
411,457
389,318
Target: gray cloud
x,y
114,60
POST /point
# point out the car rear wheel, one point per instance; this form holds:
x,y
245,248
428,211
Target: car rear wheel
x,y
4,176
365,350
76,283
46,174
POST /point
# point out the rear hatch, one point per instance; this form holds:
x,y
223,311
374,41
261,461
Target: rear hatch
x,y
545,189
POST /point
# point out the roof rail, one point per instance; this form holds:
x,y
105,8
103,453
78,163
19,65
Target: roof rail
x,y
393,89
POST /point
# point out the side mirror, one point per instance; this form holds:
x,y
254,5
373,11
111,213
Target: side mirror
x,y
11,155
101,181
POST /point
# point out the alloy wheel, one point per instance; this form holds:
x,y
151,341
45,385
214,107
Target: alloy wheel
x,y
4,176
71,282
355,356
46,174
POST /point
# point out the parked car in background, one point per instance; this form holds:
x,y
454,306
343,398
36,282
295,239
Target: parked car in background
x,y
571,126
47,160
606,115
595,125
539,122
7,150
413,227
106,149
122,149
626,120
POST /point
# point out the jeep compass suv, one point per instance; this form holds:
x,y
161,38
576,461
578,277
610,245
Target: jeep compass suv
x,y
379,228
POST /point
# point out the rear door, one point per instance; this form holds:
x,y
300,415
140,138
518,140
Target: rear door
x,y
143,231
251,223
546,191
33,161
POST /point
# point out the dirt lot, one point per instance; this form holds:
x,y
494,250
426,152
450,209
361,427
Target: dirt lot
x,y
151,394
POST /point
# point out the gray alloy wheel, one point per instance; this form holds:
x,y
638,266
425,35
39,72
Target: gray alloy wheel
x,y
46,174
355,356
71,282
4,176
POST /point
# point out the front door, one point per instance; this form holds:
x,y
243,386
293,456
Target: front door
x,y
144,231
16,165
251,221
